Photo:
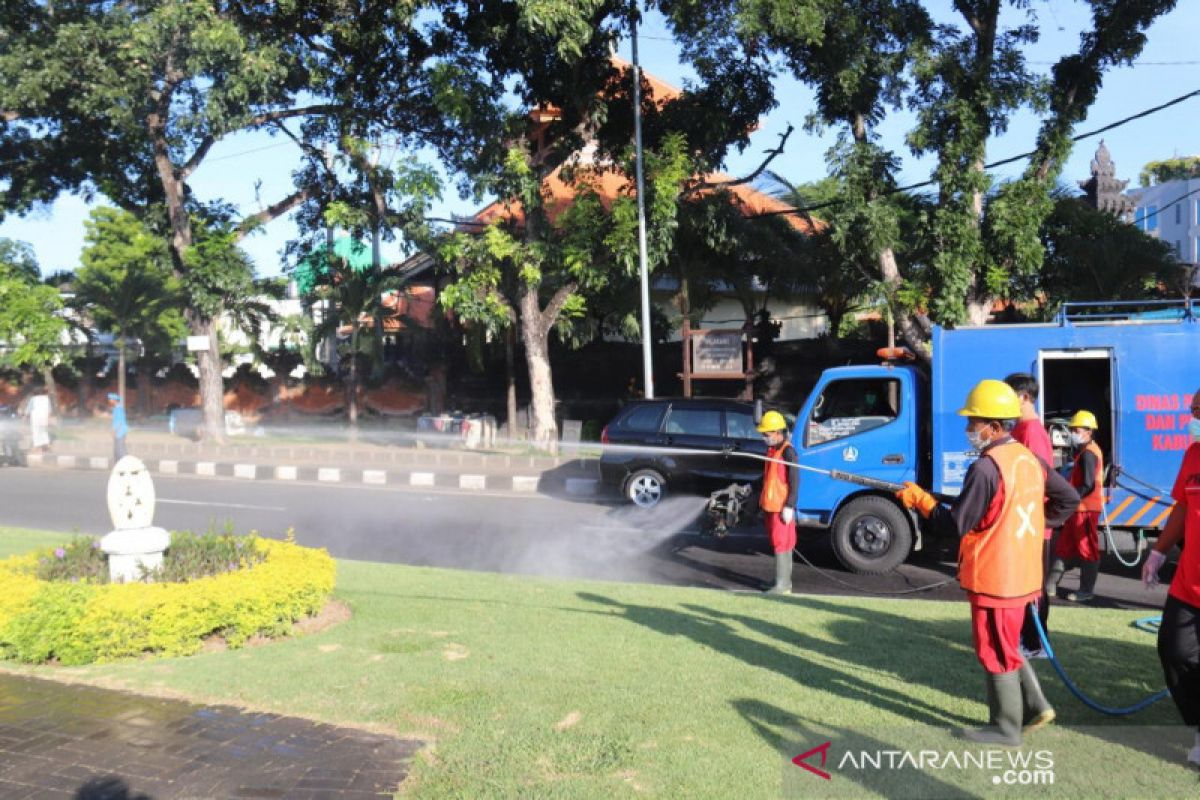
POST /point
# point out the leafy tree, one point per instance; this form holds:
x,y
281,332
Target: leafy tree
x,y
127,287
1170,169
127,100
1092,255
31,322
347,277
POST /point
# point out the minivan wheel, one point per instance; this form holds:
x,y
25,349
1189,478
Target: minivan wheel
x,y
645,488
871,535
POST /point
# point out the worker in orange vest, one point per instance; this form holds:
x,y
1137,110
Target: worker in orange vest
x,y
1079,540
1008,497
781,481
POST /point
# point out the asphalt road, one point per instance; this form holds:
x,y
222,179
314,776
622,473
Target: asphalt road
x,y
497,532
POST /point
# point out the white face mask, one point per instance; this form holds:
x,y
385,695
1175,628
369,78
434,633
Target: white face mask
x,y
976,439
1194,429
1078,439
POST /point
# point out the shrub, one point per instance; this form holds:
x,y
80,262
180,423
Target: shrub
x,y
188,558
83,623
80,560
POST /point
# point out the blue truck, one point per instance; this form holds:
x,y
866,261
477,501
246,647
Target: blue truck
x,y
1135,370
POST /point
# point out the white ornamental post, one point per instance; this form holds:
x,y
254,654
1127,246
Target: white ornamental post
x,y
134,543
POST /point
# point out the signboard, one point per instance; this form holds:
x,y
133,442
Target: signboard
x,y
717,354
572,430
195,343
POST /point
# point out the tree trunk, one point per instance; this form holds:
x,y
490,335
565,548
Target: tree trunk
x,y
51,388
212,385
536,335
352,382
86,381
510,377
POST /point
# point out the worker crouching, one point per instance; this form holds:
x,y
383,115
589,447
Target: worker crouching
x,y
1008,497
781,480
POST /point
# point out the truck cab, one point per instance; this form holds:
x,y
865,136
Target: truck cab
x,y
868,420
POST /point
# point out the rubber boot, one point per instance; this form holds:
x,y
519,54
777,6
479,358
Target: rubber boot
x,y
1006,728
1088,572
1037,710
783,573
1054,576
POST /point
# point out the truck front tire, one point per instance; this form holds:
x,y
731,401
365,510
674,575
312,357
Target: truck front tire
x,y
871,535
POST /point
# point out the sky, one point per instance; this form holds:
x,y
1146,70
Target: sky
x,y
253,170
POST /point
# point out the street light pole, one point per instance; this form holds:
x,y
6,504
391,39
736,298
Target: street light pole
x,y
643,268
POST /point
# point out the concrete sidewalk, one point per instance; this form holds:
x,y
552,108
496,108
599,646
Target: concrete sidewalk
x,y
69,741
360,462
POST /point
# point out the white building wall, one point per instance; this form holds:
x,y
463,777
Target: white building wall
x,y
1162,213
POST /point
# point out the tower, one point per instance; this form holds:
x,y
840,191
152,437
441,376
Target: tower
x,y
1103,189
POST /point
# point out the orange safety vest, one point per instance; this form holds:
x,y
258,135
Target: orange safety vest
x,y
1005,558
1095,499
775,486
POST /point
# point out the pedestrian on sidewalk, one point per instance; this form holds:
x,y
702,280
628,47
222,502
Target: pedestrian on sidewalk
x,y
120,428
781,482
1008,498
1030,432
1179,631
1079,541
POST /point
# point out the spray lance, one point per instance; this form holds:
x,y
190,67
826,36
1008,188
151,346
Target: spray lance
x,y
837,474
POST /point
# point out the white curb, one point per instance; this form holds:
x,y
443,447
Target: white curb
x,y
420,479
206,468
248,471
168,467
478,482
65,461
35,459
98,462
374,476
329,474
285,473
524,483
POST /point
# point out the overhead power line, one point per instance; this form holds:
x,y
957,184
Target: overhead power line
x,y
1002,162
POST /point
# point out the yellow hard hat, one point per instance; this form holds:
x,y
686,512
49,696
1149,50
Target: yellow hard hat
x,y
1083,419
772,421
992,399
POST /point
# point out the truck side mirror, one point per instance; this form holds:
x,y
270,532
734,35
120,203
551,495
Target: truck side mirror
x,y
758,411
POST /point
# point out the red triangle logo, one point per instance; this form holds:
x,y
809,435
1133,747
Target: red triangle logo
x,y
802,760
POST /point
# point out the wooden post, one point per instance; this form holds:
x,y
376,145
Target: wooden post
x,y
687,357
748,333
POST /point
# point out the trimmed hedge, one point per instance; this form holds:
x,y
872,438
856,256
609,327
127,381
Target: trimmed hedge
x,y
79,623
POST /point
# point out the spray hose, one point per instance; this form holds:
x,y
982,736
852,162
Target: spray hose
x,y
1075,690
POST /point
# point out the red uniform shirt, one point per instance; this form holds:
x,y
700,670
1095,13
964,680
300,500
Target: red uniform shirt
x,y
1032,434
1186,584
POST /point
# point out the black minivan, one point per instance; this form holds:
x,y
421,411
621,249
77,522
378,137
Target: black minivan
x,y
648,444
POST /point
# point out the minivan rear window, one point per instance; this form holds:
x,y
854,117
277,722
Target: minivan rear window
x,y
641,418
695,421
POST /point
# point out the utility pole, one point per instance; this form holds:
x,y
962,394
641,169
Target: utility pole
x,y
643,268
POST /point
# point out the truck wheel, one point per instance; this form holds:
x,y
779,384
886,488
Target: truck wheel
x,y
645,488
871,535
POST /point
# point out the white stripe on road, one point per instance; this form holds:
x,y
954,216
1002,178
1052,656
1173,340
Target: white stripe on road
x,y
223,505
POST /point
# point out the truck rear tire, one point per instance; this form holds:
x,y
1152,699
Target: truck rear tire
x,y
871,535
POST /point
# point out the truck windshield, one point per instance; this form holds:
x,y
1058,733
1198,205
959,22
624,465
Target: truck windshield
x,y
852,406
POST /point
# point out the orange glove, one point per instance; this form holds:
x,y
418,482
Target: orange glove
x,y
913,496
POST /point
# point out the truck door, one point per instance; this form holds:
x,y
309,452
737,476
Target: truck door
x,y
1072,380
855,424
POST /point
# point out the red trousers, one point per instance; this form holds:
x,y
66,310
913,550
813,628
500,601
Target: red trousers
x,y
783,535
996,634
1080,537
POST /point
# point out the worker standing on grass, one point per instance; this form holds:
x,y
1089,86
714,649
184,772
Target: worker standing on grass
x,y
1079,540
1030,432
781,481
1179,631
1008,498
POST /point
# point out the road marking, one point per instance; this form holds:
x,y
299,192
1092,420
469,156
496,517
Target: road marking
x,y
223,505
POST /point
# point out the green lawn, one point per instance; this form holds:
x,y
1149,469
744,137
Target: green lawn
x,y
540,688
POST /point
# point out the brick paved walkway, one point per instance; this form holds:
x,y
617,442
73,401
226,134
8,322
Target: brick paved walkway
x,y
63,741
